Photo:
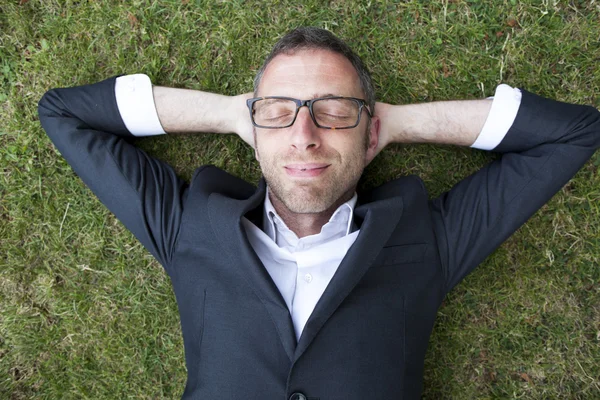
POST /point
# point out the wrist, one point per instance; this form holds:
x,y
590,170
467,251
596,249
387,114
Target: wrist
x,y
239,118
395,121
236,112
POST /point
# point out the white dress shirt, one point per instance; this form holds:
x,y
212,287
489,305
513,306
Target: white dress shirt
x,y
300,268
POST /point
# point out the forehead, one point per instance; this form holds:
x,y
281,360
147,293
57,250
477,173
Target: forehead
x,y
310,73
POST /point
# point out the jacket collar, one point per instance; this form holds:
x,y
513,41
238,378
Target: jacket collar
x,y
340,224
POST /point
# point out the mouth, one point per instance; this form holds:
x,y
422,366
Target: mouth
x,y
306,170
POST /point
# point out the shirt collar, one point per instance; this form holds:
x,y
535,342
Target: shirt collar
x,y
340,223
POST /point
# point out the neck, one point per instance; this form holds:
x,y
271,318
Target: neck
x,y
306,224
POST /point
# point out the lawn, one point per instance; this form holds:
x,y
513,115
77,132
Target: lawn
x,y
86,312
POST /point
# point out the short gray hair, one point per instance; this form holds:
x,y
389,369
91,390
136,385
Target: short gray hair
x,y
310,38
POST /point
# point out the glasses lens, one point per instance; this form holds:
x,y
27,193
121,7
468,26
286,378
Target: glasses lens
x,y
336,113
274,112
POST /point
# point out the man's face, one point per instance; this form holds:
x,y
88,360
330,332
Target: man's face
x,y
311,169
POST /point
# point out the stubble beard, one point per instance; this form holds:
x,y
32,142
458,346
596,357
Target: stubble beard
x,y
318,194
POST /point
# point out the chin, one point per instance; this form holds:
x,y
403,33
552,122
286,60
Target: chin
x,y
313,196
311,200
306,207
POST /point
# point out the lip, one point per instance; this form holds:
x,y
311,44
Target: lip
x,y
305,170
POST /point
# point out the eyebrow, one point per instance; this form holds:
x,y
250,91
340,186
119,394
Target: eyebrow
x,y
316,95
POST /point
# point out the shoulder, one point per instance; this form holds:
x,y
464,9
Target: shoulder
x,y
209,179
409,187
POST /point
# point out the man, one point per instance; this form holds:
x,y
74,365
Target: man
x,y
300,288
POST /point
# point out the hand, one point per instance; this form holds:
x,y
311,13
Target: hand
x,y
243,125
382,112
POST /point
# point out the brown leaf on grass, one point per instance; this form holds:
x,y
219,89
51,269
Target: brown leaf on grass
x,y
21,2
133,21
526,377
446,70
511,22
499,33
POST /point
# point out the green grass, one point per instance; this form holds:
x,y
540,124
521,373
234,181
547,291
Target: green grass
x,y
85,312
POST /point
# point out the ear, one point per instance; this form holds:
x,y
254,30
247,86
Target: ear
x,y
373,148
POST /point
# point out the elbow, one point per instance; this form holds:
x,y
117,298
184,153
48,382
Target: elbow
x,y
52,105
48,104
52,111
46,108
589,125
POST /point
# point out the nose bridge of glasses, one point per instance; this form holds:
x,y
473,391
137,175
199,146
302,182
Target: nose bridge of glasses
x,y
303,103
309,113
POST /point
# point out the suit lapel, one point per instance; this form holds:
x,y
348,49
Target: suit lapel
x,y
225,215
379,220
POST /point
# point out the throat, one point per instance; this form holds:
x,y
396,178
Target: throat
x,y
305,224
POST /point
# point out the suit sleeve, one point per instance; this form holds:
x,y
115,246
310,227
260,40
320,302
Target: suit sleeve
x,y
144,193
544,148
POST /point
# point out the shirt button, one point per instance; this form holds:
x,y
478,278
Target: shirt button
x,y
308,278
297,396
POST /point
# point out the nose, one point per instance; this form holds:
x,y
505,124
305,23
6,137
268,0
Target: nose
x,y
305,134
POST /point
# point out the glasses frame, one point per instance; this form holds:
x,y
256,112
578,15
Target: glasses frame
x,y
308,103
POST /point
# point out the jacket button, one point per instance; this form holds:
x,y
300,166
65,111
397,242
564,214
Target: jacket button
x,y
297,396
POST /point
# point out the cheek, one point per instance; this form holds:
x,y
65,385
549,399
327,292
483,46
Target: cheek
x,y
354,145
266,147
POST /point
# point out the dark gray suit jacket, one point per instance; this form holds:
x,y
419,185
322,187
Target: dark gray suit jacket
x,y
368,334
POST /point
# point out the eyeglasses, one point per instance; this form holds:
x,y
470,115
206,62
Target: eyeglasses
x,y
274,112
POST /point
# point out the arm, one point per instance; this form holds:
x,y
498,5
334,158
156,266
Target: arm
x,y
545,145
154,110
184,111
480,124
93,126
442,122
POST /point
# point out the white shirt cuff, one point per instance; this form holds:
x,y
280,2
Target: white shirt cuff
x,y
136,105
501,117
